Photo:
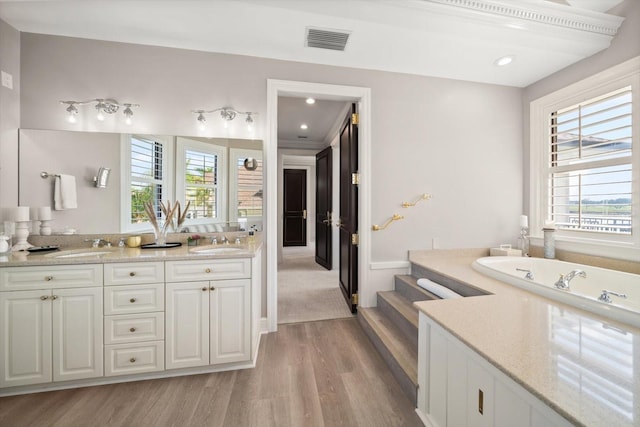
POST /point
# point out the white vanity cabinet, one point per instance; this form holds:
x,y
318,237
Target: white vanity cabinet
x,y
458,388
208,321
52,330
134,318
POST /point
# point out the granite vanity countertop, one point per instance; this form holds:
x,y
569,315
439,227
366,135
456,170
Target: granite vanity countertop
x,y
585,367
125,254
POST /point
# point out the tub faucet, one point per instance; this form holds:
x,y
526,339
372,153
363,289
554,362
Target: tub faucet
x,y
564,280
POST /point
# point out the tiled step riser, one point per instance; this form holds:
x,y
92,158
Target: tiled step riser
x,y
409,291
405,382
407,328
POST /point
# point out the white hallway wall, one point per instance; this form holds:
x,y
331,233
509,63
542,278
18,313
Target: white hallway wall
x,y
459,141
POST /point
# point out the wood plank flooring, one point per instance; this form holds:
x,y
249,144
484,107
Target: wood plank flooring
x,y
323,373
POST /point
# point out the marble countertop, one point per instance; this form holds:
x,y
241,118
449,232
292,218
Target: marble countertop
x,y
125,254
585,367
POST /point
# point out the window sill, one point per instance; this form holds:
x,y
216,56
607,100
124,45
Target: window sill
x,y
621,251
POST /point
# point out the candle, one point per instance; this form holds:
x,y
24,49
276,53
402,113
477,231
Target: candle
x,y
33,213
44,213
524,221
21,213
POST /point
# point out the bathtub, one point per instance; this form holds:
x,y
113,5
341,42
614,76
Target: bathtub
x,y
583,293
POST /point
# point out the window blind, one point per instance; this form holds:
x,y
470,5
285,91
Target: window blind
x,y
201,183
249,189
590,164
146,176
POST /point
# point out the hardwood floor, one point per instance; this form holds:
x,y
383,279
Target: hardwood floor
x,y
323,373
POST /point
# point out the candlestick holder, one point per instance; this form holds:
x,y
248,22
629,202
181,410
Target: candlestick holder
x,y
22,232
523,241
45,228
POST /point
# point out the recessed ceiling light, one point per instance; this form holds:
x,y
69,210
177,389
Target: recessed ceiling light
x,y
505,60
311,101
304,126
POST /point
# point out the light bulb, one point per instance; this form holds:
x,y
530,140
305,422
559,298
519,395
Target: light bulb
x,y
72,110
128,120
100,116
249,121
100,106
71,118
128,114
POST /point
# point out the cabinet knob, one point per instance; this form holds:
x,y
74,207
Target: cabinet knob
x,y
54,296
132,360
132,300
48,278
132,329
44,297
208,270
204,289
213,288
133,273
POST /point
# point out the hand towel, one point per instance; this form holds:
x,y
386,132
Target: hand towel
x,y
439,290
64,192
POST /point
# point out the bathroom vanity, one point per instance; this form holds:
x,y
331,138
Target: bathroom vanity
x,y
78,318
516,358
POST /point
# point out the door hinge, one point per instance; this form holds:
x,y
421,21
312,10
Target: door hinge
x,y
355,178
355,239
355,119
354,299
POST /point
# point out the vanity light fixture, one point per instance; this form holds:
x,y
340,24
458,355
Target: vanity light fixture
x,y
227,114
103,106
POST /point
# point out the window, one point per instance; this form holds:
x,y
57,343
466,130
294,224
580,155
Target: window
x,y
590,167
245,185
585,163
146,160
200,180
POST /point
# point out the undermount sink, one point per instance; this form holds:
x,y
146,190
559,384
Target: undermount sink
x,y
217,250
81,253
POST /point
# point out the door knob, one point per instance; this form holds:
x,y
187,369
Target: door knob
x,y
304,214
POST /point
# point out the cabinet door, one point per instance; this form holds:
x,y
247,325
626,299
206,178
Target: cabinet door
x,y
230,339
25,338
438,378
510,409
456,385
187,325
480,396
77,334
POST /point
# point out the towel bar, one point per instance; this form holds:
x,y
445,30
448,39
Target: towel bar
x,y
45,175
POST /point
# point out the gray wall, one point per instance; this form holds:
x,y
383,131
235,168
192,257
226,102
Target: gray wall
x,y
9,117
625,45
460,141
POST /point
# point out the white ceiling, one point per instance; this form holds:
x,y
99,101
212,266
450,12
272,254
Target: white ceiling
x,y
457,39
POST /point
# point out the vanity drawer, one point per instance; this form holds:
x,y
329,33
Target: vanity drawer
x,y
213,269
133,328
133,299
50,277
133,272
126,359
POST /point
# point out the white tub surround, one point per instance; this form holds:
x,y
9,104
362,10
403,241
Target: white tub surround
x,y
583,292
536,361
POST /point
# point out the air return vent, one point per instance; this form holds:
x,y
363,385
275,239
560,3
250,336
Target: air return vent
x,y
327,39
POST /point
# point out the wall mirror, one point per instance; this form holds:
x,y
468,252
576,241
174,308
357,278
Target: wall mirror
x,y
222,177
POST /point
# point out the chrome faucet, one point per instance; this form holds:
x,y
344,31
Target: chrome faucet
x,y
605,297
95,243
528,275
564,280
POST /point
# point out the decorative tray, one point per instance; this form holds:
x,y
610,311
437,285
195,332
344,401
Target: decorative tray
x,y
165,246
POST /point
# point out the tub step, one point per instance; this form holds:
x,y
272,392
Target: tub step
x,y
407,286
401,312
396,349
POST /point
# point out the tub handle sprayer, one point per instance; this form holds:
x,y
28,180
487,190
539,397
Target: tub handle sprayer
x,y
529,274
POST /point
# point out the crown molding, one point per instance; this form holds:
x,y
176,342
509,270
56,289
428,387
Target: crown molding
x,y
536,11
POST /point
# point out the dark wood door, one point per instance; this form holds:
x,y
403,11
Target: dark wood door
x,y
349,209
295,208
324,195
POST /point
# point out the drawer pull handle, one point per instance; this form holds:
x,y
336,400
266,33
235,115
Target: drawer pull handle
x,y
48,278
208,270
213,288
44,297
54,296
133,273
480,402
132,360
204,289
132,329
132,300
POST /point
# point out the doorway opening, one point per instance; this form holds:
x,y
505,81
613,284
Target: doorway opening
x,y
284,261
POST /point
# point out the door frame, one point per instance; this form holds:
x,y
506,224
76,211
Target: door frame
x,y
362,97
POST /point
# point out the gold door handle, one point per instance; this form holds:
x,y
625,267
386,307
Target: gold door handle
x,y
44,297
132,300
132,360
132,329
208,270
213,288
133,273
304,214
54,297
204,289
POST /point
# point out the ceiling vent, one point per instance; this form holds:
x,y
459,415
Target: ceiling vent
x,y
326,39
